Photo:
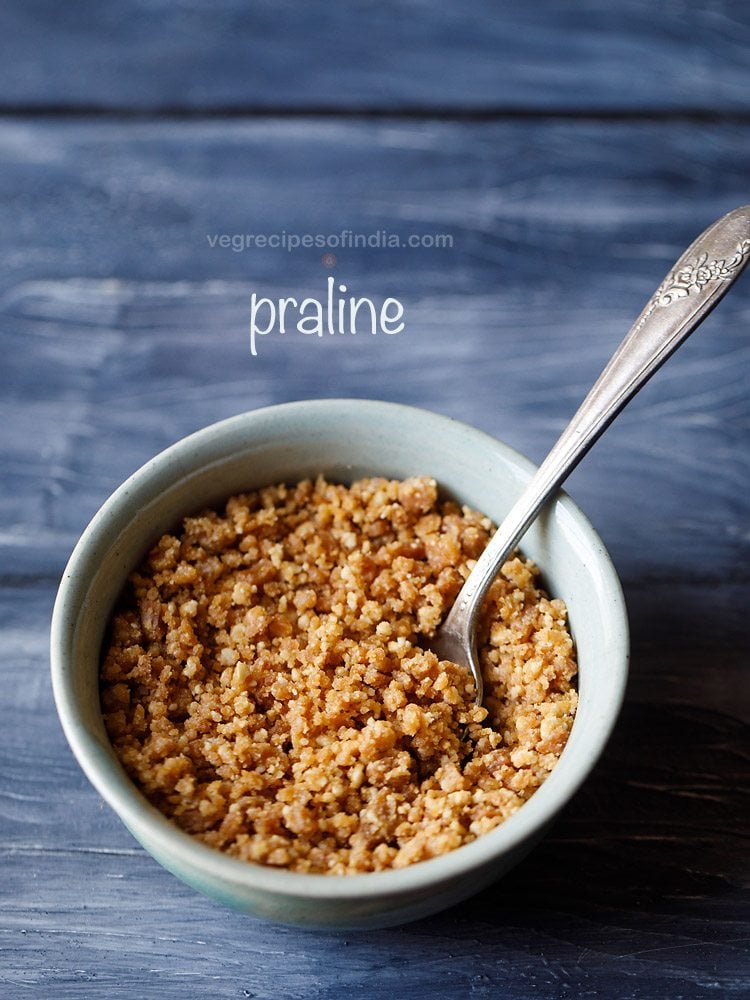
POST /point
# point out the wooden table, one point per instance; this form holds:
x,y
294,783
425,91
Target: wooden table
x,y
569,152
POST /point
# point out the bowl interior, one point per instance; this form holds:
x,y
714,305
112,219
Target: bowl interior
x,y
344,440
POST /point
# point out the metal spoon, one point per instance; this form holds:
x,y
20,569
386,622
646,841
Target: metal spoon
x,y
682,301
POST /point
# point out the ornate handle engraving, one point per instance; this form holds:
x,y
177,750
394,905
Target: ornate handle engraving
x,y
692,277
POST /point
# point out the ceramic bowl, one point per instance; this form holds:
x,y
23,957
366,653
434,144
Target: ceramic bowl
x,y
344,440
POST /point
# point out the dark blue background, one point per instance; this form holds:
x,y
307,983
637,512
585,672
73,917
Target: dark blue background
x,y
571,151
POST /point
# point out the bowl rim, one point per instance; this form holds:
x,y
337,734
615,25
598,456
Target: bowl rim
x,y
104,771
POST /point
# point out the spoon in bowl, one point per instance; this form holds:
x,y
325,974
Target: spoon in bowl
x,y
696,283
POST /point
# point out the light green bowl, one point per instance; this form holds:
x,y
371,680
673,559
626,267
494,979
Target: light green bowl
x,y
344,440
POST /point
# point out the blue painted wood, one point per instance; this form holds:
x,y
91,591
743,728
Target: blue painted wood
x,y
397,54
116,308
121,330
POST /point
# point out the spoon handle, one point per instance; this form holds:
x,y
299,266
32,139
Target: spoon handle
x,y
696,283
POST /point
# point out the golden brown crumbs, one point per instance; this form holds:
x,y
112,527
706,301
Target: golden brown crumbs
x,y
265,685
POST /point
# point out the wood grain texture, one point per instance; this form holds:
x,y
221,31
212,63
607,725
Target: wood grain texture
x,y
122,330
194,55
116,309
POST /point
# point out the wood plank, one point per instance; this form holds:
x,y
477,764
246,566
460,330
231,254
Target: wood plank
x,y
121,330
178,358
397,55
133,332
84,906
528,938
